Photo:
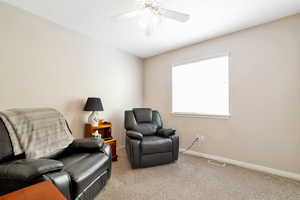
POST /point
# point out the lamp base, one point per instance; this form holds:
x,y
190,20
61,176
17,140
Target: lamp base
x,y
93,119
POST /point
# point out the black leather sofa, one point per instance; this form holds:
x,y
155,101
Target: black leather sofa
x,y
79,171
147,142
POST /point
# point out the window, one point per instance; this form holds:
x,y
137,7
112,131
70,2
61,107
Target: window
x,y
202,87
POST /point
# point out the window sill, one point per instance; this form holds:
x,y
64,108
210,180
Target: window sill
x,y
199,115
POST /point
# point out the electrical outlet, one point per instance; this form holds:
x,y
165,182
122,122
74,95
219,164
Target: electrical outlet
x,y
201,137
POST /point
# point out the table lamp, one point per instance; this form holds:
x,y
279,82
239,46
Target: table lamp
x,y
95,105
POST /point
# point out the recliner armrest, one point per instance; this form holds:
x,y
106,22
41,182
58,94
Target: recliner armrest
x,y
87,145
166,132
134,135
28,169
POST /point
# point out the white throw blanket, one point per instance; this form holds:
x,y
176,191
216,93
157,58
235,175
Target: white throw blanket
x,y
36,132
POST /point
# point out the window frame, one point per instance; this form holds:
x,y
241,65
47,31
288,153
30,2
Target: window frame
x,y
203,115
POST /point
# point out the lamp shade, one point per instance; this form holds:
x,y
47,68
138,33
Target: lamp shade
x,y
93,104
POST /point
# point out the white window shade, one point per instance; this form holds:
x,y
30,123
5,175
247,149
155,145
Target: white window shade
x,y
201,87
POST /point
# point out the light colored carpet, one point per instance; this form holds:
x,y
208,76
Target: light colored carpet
x,y
193,178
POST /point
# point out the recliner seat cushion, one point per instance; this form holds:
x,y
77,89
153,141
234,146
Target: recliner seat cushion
x,y
143,114
84,168
147,128
155,144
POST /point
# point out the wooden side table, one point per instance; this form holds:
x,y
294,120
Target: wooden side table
x,y
113,146
44,190
105,130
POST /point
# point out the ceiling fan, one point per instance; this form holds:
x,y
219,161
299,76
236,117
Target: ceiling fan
x,y
150,14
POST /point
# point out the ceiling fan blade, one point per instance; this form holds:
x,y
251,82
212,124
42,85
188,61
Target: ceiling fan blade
x,y
129,15
178,16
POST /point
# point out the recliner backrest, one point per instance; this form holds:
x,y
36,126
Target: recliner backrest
x,y
143,115
143,120
6,148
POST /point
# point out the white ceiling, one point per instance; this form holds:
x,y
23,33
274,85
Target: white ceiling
x,y
209,18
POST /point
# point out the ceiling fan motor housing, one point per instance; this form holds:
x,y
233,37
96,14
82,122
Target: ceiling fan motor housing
x,y
153,4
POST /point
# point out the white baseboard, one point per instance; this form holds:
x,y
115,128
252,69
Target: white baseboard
x,y
251,166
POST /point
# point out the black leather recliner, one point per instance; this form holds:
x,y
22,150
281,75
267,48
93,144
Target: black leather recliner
x,y
79,171
147,142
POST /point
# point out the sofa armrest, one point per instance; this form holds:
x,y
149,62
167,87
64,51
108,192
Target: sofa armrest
x,y
164,132
134,135
87,145
28,169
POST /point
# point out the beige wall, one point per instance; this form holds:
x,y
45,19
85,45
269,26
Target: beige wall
x,y
265,96
43,64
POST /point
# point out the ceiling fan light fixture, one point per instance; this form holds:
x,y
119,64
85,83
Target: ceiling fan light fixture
x,y
149,21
